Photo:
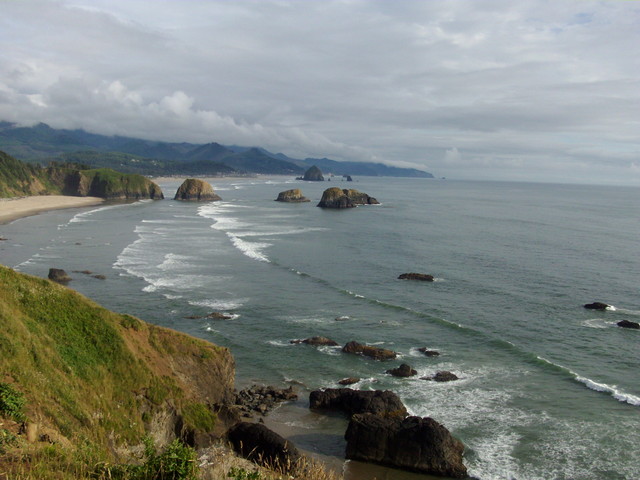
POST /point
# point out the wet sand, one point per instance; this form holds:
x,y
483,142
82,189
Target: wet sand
x,y
18,207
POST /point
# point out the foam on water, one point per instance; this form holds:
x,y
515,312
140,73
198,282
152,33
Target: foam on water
x,y
252,250
218,304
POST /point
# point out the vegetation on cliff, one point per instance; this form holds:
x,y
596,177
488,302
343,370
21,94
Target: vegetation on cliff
x,y
18,179
89,383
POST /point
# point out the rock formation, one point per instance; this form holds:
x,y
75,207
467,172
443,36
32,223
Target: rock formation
x,y
349,401
313,174
348,381
262,399
196,190
428,353
107,183
628,324
376,353
403,370
317,341
59,275
443,376
597,306
292,196
416,276
413,443
335,197
256,442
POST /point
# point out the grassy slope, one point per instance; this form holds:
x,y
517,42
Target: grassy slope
x,y
94,377
18,178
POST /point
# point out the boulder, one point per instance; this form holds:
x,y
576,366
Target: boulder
x,y
413,443
59,275
317,341
262,399
313,174
597,306
628,324
403,370
416,276
376,353
292,196
443,376
259,444
429,353
196,190
335,197
349,401
349,381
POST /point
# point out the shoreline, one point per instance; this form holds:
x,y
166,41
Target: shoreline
x,y
14,208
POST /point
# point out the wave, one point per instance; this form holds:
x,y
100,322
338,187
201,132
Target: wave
x,y
224,305
250,249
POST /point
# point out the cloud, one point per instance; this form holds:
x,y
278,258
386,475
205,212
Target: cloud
x,y
518,89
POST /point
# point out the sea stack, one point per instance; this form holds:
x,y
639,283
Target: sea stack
x,y
195,190
314,174
292,196
335,197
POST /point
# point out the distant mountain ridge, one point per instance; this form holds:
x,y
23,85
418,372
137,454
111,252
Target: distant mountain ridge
x,y
41,143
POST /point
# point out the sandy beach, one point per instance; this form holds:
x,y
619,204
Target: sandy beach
x,y
14,208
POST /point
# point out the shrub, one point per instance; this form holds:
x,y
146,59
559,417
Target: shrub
x,y
11,403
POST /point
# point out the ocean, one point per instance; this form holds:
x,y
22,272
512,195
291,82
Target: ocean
x,y
547,389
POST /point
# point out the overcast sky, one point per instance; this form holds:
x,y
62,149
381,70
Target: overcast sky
x,y
514,90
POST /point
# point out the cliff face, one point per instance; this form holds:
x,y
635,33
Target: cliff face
x,y
88,373
195,190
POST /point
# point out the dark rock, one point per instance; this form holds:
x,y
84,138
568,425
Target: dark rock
x,y
313,174
253,398
597,306
429,353
349,381
257,443
335,197
403,370
351,401
628,324
86,272
196,190
416,276
219,316
348,177
59,275
292,196
376,353
99,277
317,341
413,443
443,376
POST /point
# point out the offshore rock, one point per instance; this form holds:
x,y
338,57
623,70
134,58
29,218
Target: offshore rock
x,y
256,442
322,341
376,353
59,275
292,196
335,197
196,190
416,276
443,376
428,353
413,443
349,401
313,174
349,381
403,370
597,306
628,324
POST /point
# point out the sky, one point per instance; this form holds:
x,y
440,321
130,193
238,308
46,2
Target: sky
x,y
542,90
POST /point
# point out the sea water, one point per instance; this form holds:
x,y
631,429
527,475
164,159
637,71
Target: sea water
x,y
546,389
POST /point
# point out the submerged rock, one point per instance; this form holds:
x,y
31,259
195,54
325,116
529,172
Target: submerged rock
x,y
416,276
317,341
349,381
351,401
628,324
376,353
413,443
598,306
335,197
428,353
292,196
59,275
196,190
403,370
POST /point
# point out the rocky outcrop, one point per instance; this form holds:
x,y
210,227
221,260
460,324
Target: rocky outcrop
x,y
196,190
342,198
376,353
423,277
403,370
59,275
256,442
628,324
262,399
292,196
348,381
428,353
349,401
443,376
313,174
598,306
321,341
107,183
413,443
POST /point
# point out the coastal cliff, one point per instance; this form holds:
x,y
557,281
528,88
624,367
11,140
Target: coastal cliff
x,y
92,378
